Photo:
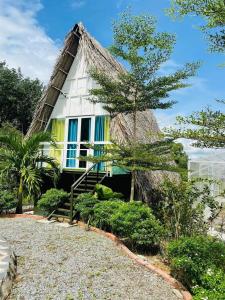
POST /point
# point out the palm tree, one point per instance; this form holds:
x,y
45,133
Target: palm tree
x,y
21,162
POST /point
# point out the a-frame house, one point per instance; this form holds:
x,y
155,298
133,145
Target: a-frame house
x,y
74,121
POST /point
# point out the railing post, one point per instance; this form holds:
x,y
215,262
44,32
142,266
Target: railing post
x,y
97,172
71,206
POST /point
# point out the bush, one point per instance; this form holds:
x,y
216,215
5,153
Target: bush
x,y
84,206
103,212
135,222
199,263
105,193
7,200
51,199
183,208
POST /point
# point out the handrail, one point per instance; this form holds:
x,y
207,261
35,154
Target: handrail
x,y
81,177
75,184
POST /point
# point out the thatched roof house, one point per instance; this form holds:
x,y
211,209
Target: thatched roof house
x,y
73,119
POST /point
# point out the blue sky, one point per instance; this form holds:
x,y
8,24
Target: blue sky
x,y
32,32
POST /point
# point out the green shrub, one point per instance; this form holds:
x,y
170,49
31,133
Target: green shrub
x,y
7,200
183,208
199,263
103,212
84,206
51,199
105,193
135,222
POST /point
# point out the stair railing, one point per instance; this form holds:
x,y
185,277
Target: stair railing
x,y
77,183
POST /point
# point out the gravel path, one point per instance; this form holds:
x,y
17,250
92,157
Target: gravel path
x,y
70,263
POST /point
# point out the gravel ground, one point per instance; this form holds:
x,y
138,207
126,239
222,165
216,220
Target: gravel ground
x,y
70,263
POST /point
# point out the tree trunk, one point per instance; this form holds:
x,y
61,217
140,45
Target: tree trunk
x,y
19,208
133,172
132,186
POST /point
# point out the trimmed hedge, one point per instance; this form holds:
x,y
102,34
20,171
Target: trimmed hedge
x,y
132,221
51,199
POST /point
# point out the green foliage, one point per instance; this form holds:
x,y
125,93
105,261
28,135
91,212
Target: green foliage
x,y
140,88
180,157
135,222
51,199
206,128
21,162
131,221
144,51
105,193
199,263
183,206
158,155
103,212
7,200
18,97
212,286
84,206
213,14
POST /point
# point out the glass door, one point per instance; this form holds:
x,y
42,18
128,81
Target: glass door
x,y
71,153
85,138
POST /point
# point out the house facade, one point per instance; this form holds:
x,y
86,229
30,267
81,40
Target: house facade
x,y
74,121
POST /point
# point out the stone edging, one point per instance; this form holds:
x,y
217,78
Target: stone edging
x,y
169,279
7,269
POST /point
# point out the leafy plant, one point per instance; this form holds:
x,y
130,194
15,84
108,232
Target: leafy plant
x,y
199,263
84,206
7,200
135,222
21,162
183,206
103,212
51,199
104,193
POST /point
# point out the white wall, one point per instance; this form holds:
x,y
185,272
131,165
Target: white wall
x,y
76,88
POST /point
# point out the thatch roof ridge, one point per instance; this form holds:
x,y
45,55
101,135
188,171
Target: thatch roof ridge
x,y
77,39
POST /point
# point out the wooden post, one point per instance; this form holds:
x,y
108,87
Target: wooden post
x,y
71,206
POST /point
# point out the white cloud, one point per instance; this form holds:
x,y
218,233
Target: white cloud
x,y
23,42
78,3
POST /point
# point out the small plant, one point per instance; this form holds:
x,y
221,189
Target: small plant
x,y
103,212
105,193
84,206
135,222
7,200
199,263
51,199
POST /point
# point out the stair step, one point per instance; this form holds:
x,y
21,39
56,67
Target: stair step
x,y
59,216
96,176
91,181
67,204
84,190
63,209
88,184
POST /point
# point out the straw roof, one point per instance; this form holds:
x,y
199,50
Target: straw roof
x,y
77,40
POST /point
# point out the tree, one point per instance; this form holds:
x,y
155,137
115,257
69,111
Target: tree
x,y
143,50
158,155
18,97
213,13
207,128
21,162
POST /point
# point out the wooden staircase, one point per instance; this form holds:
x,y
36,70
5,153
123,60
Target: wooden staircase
x,y
85,184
